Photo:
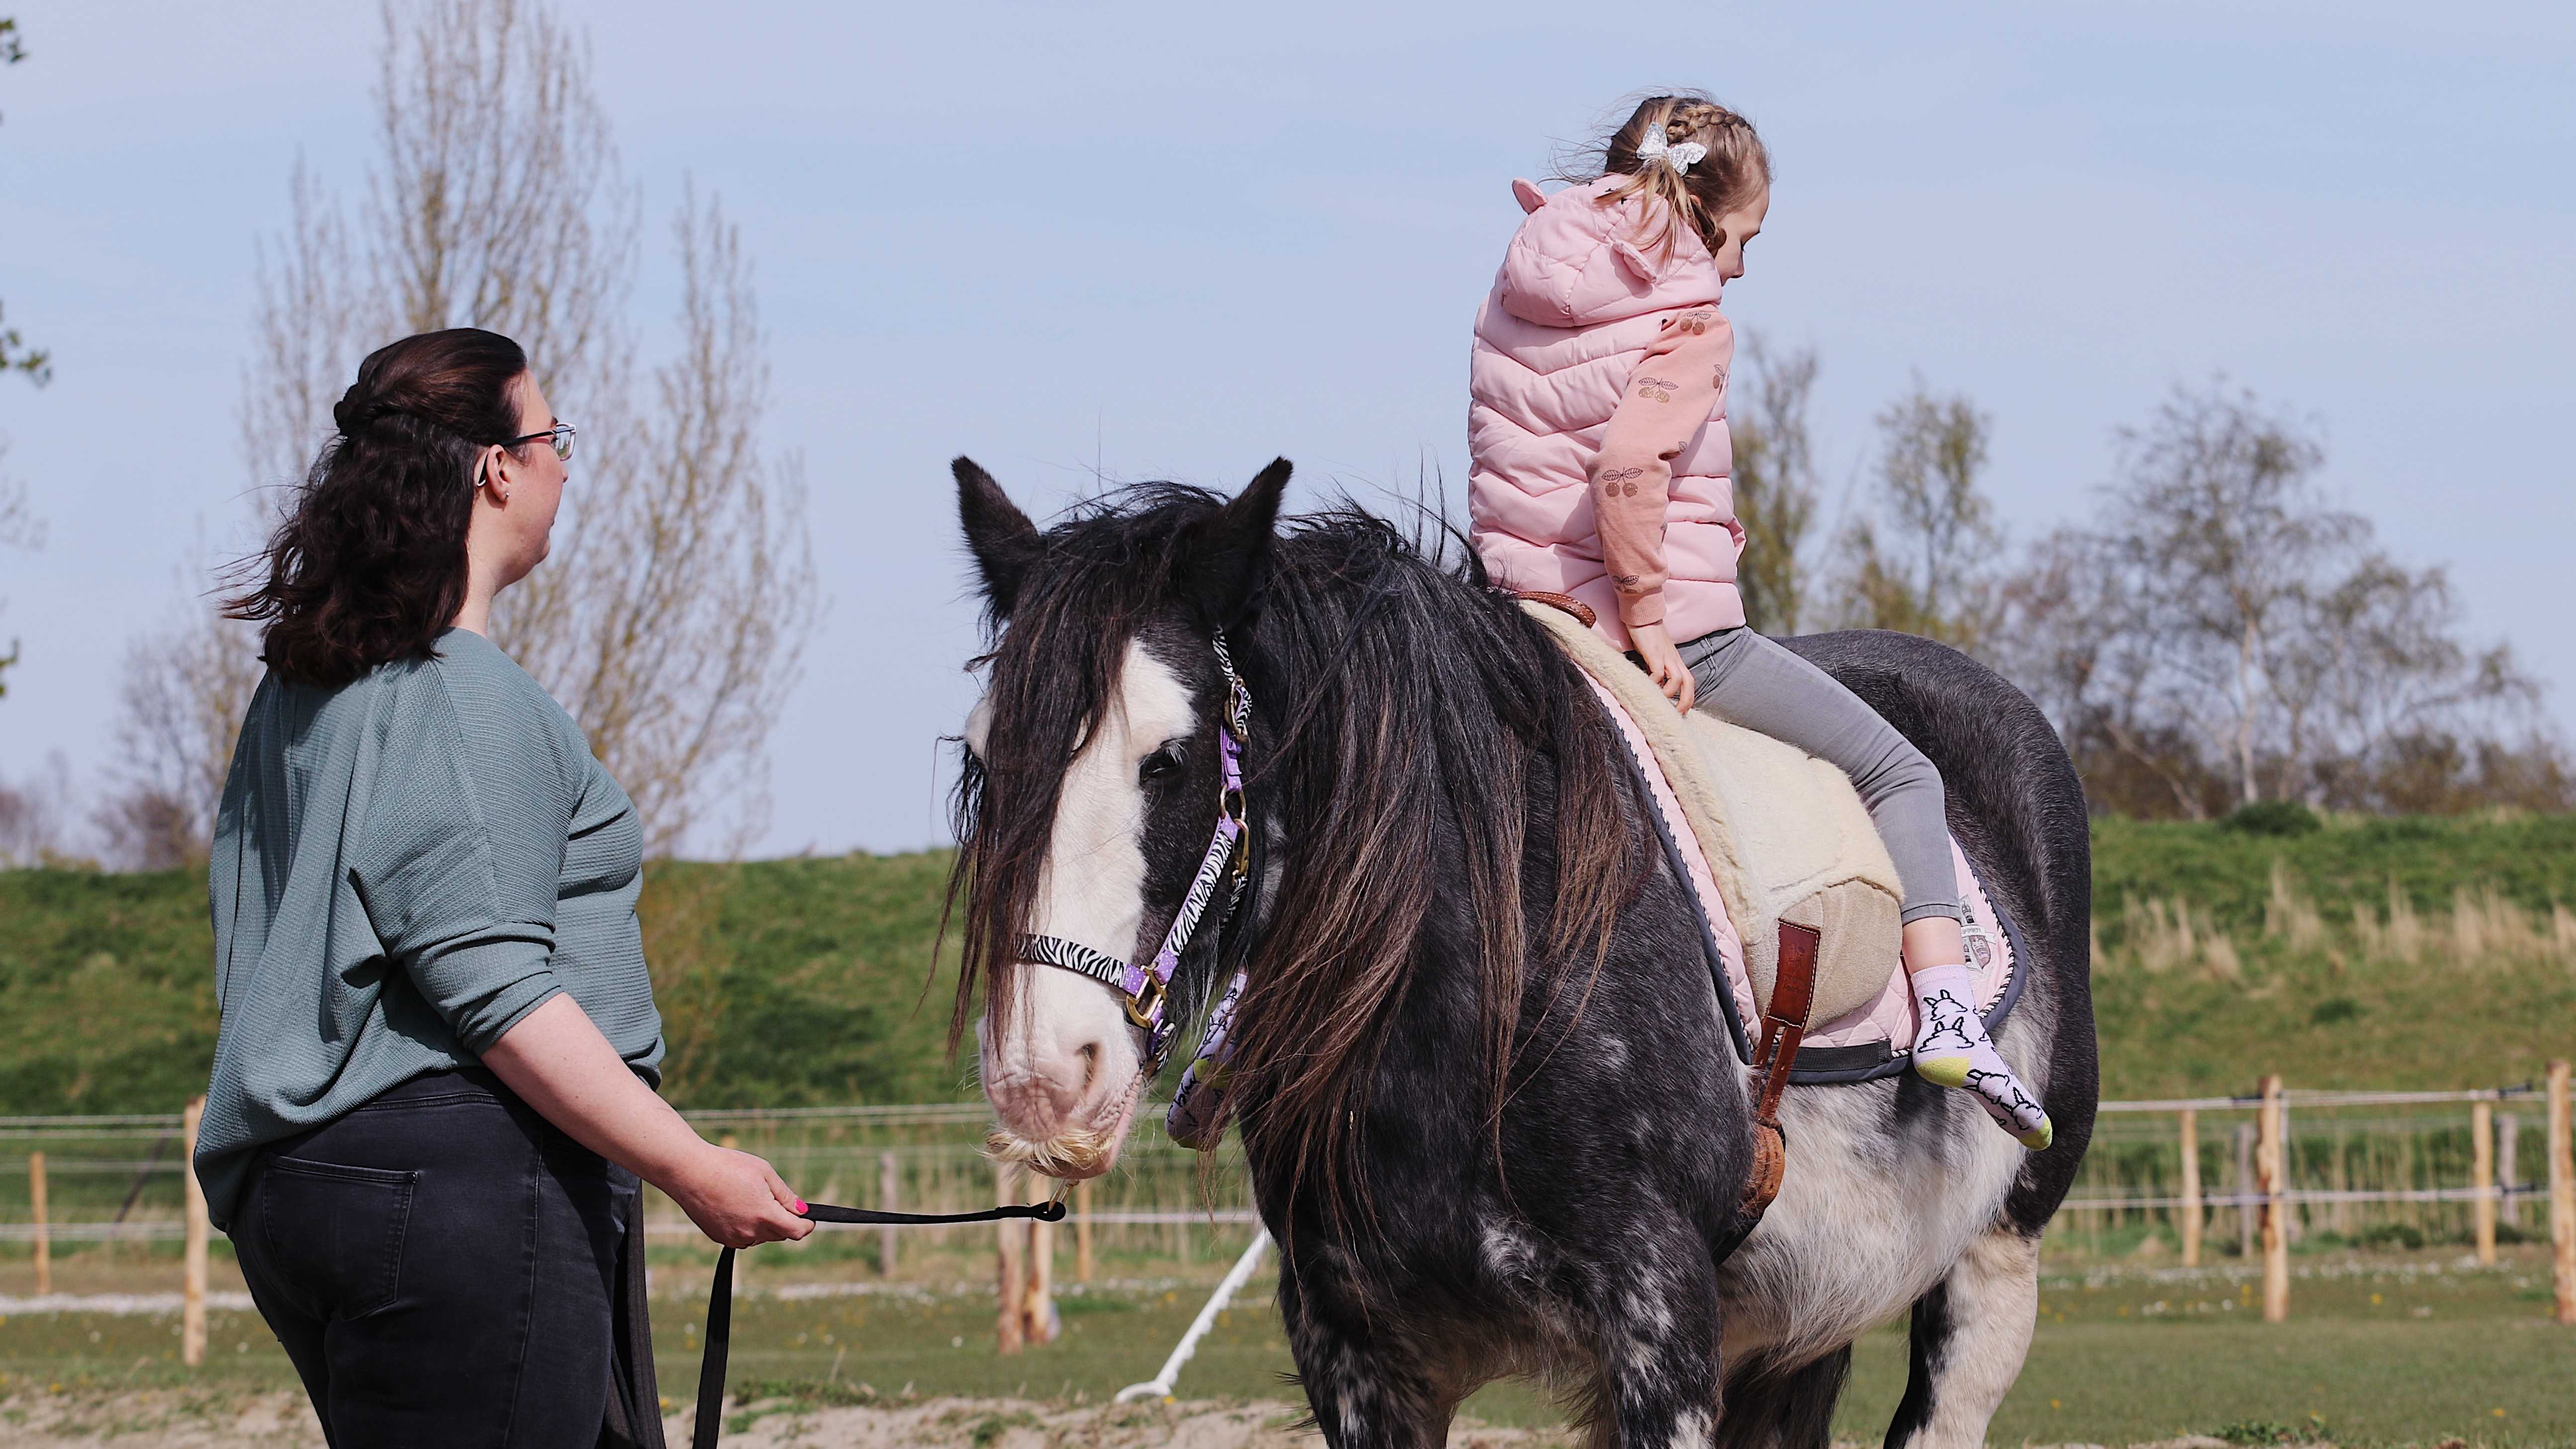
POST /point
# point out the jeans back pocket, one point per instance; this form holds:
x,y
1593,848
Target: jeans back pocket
x,y
335,1232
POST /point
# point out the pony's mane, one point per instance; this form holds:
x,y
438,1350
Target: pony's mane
x,y
1409,703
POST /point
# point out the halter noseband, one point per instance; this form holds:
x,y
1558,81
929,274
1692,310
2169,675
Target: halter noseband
x,y
1144,988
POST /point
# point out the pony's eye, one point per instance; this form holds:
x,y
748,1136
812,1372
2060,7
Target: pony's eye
x,y
1163,762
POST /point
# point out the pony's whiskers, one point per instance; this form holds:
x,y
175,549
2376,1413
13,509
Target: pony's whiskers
x,y
1074,1153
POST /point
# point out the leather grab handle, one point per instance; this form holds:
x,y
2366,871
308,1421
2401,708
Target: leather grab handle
x,y
1566,603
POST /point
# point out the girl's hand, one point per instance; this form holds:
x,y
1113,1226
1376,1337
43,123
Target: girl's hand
x,y
735,1198
1664,665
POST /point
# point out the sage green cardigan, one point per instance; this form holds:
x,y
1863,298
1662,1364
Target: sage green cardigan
x,y
404,867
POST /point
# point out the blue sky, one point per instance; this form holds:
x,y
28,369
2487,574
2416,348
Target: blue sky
x,y
1184,239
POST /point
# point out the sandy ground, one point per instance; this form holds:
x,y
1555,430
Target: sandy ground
x,y
182,1419
282,1420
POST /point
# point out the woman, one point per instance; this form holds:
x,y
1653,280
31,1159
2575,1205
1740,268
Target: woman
x,y
433,1088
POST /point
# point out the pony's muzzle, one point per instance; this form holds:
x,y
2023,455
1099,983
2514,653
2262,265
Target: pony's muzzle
x,y
1063,1080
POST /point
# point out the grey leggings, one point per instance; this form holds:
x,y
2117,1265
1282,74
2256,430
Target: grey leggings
x,y
1746,679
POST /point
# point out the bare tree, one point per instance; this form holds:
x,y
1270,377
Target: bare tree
x,y
2224,634
1775,482
181,702
500,202
1927,563
695,586
2071,637
35,817
672,613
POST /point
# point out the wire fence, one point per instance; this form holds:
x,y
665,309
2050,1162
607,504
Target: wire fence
x,y
2374,1169
2364,1168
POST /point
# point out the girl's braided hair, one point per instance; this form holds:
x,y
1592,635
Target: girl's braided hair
x,y
1735,169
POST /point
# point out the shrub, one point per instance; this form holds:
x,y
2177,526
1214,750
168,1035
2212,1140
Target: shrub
x,y
2274,817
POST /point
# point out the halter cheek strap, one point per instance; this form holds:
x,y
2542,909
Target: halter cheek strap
x,y
1144,988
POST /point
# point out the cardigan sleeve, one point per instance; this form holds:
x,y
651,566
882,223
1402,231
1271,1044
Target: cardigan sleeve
x,y
1675,390
462,850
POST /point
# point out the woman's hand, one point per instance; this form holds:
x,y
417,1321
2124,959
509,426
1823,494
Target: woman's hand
x,y
735,1198
1664,664
558,1063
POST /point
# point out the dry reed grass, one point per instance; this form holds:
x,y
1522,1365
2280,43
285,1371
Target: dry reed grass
x,y
2170,934
2482,928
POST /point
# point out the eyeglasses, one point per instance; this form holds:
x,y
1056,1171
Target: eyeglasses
x,y
560,433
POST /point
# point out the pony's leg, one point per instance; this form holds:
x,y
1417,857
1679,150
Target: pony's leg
x,y
1366,1392
1970,1334
1656,1350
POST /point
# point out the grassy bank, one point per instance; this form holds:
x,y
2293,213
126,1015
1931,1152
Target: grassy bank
x,y
2396,953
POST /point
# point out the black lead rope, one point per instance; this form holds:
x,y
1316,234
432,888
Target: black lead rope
x,y
711,1369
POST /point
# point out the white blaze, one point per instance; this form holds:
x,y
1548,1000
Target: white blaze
x,y
1066,1061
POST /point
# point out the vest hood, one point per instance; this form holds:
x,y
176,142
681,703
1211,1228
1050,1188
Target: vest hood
x,y
1576,262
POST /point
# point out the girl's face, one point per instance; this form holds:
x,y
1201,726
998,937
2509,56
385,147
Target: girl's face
x,y
1740,226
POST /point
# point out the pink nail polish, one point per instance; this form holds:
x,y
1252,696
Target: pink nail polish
x,y
800,1204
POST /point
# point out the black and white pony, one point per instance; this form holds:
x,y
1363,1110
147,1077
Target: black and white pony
x,y
1491,1110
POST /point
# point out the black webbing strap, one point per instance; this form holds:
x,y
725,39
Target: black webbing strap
x,y
711,1369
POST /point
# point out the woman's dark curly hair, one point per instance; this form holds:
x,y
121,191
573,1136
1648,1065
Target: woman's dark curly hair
x,y
369,564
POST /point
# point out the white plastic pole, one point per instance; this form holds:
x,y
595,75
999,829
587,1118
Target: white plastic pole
x,y
1160,1387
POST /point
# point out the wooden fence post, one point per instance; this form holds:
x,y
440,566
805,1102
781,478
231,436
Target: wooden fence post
x,y
1038,1311
1014,1275
36,1199
2270,1162
2190,1188
1082,1231
2246,1212
192,1302
2562,1194
2482,1212
2508,1173
889,1194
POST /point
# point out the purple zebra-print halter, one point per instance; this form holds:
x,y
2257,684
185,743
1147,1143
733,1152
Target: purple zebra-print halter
x,y
1144,988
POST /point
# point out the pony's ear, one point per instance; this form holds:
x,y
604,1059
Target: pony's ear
x,y
1229,554
1000,536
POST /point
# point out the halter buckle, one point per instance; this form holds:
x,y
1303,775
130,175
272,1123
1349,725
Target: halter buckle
x,y
1145,1007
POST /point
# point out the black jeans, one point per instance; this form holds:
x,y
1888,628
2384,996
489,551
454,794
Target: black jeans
x,y
447,1268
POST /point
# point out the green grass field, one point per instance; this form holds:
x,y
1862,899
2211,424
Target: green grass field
x,y
2403,1349
805,982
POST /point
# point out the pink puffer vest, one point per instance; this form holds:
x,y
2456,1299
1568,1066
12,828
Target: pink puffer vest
x,y
1573,309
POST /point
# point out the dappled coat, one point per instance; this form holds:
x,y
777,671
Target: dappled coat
x,y
1576,305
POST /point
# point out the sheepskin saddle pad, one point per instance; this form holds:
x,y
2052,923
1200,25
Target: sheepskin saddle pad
x,y
1767,833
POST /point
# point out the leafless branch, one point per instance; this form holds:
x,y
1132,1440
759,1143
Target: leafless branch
x,y
672,613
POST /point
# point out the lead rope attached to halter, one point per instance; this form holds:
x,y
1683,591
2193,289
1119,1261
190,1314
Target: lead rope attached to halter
x,y
719,1342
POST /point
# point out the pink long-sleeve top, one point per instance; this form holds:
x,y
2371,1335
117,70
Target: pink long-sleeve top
x,y
1676,389
1597,426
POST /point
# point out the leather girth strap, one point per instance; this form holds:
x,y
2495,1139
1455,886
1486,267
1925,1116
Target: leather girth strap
x,y
1784,1026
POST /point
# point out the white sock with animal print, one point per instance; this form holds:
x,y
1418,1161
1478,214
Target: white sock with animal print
x,y
1951,1049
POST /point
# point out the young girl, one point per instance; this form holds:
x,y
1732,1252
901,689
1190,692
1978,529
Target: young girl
x,y
1600,459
